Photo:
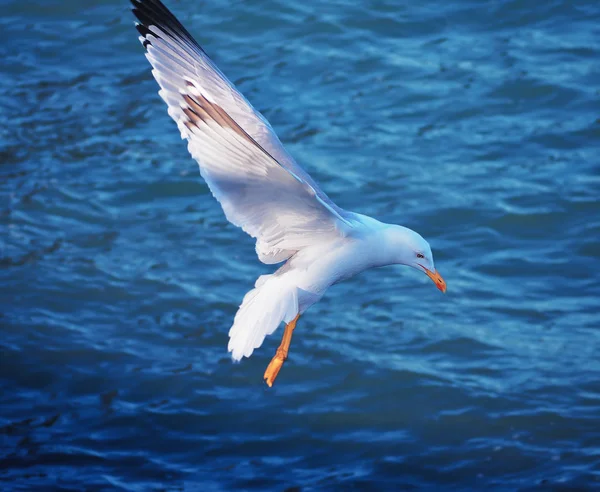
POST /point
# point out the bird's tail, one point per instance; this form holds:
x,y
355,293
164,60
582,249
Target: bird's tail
x,y
274,299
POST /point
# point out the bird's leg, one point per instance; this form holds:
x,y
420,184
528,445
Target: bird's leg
x,y
281,354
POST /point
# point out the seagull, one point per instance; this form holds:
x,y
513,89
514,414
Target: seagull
x,y
265,192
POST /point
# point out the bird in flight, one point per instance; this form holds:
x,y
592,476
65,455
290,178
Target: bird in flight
x,y
264,191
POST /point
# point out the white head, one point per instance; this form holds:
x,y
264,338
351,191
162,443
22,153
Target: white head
x,y
406,247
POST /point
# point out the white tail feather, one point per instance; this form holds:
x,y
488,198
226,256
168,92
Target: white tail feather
x,y
273,300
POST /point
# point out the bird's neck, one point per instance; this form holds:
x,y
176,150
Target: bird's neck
x,y
387,243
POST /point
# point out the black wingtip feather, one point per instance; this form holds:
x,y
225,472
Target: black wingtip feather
x,y
154,13
143,30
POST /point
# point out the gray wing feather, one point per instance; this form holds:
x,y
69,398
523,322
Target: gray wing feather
x,y
259,185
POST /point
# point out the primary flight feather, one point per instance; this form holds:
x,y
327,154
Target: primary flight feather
x,y
265,192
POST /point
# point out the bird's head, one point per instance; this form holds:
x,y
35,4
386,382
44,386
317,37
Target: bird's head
x,y
412,250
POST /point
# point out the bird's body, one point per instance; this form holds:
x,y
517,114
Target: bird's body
x,y
318,267
305,277
322,265
265,192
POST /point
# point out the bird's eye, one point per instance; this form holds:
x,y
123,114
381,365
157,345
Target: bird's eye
x,y
419,255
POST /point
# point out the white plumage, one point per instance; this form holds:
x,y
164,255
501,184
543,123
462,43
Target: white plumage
x,y
253,322
263,190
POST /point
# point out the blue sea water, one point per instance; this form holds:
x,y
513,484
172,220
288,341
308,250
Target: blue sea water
x,y
475,123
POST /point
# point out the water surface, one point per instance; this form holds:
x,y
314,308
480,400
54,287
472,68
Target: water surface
x,y
475,123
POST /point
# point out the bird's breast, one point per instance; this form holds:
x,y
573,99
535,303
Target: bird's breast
x,y
334,263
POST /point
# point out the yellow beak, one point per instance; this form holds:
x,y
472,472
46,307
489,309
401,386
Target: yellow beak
x,y
439,282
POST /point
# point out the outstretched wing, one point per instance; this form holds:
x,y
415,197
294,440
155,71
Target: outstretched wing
x,y
260,187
